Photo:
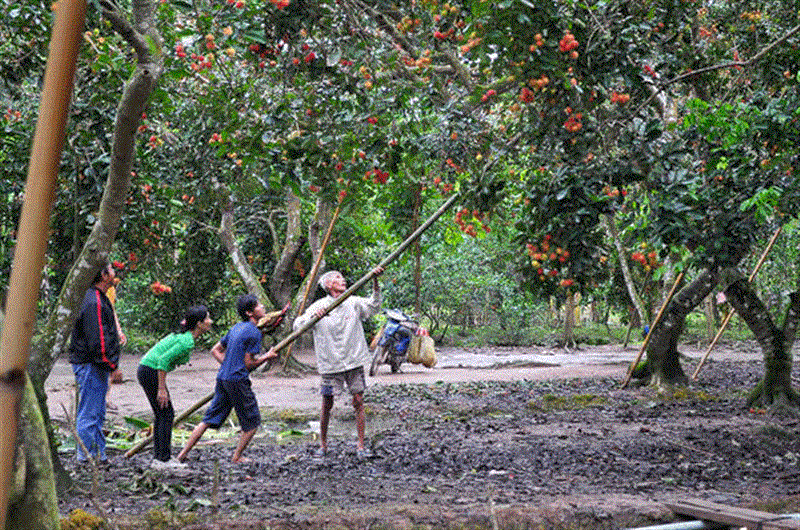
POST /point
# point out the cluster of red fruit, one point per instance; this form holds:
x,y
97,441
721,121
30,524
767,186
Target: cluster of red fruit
x,y
215,139
526,95
568,44
471,43
372,120
143,127
466,221
649,70
445,188
422,62
11,115
408,24
238,3
619,98
573,123
546,252
648,261
199,62
154,141
159,288
539,83
453,165
614,192
380,177
538,44
489,93
280,4
446,35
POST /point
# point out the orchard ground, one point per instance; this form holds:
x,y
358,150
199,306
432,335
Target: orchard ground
x,y
492,437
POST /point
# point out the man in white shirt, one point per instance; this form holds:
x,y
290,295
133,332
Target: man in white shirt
x,y
341,348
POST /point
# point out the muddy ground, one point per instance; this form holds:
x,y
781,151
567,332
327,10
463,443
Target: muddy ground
x,y
537,445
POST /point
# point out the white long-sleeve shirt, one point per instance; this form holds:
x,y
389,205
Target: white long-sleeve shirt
x,y
339,341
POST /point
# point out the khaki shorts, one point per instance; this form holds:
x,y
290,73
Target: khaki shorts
x,y
333,384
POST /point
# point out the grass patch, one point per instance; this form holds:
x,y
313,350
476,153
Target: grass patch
x,y
550,402
683,393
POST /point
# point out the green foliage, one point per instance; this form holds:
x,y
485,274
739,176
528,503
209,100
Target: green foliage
x,y
547,118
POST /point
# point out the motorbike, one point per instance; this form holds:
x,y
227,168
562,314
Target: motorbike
x,y
394,341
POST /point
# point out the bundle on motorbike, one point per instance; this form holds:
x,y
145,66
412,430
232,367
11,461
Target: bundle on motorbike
x,y
394,341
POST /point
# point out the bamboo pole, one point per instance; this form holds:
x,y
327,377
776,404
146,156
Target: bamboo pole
x,y
26,274
667,300
730,313
339,299
312,274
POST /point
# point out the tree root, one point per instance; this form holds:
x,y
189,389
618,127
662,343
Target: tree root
x,y
781,401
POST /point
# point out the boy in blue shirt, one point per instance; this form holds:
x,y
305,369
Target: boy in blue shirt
x,y
236,352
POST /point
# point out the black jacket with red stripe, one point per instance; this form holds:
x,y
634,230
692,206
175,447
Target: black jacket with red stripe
x,y
94,337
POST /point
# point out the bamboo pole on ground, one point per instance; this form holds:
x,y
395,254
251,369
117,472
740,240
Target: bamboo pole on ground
x,y
339,299
730,313
26,274
652,327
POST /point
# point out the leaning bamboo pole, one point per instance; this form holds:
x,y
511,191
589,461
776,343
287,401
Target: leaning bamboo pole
x,y
339,299
26,274
730,313
667,300
313,273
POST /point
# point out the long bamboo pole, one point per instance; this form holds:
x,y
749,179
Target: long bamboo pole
x,y
26,274
728,317
667,300
313,273
339,299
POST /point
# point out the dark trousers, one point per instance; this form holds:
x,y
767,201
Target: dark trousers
x,y
162,423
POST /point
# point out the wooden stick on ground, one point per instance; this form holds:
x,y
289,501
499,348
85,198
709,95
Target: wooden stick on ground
x,y
341,298
730,313
650,332
26,273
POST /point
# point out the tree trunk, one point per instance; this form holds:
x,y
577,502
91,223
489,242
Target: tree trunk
x,y
56,332
708,310
33,504
569,320
240,265
281,289
611,229
663,357
775,389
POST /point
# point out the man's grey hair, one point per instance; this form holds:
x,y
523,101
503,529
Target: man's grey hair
x,y
325,278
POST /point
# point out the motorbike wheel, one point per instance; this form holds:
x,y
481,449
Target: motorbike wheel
x,y
395,364
377,360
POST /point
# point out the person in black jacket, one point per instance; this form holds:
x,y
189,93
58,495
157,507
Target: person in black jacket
x,y
94,353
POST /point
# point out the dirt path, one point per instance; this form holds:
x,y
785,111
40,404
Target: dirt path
x,y
550,442
190,383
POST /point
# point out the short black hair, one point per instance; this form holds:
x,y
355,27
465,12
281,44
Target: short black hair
x,y
245,303
99,275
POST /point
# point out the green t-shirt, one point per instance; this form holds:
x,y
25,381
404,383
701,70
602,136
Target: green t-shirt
x,y
171,351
